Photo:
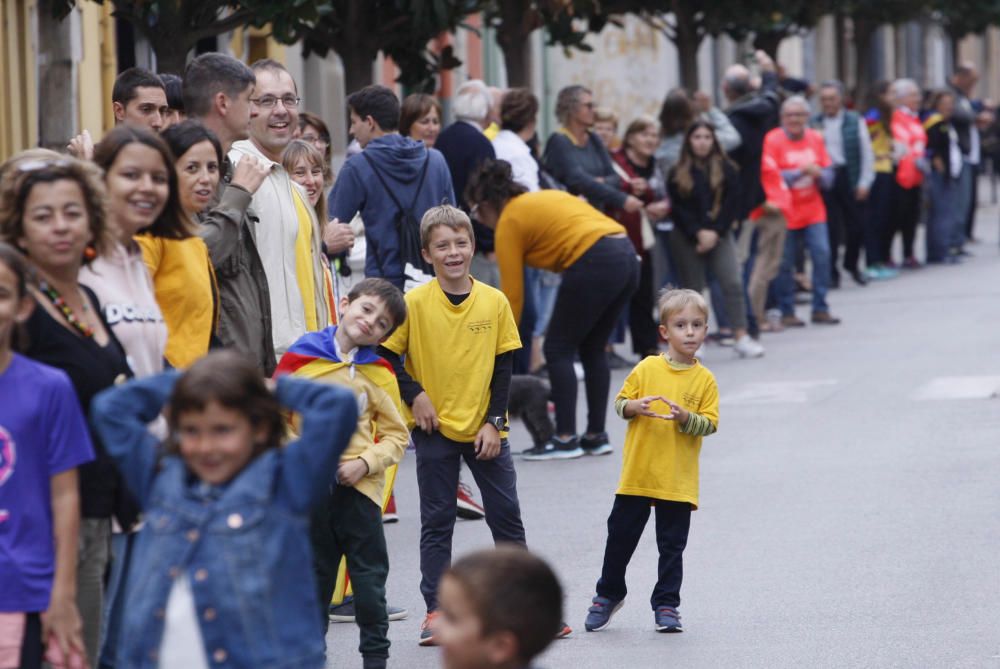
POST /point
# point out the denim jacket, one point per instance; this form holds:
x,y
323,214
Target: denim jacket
x,y
244,546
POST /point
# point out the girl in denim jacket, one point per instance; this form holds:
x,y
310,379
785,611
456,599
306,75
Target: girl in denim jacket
x,y
225,548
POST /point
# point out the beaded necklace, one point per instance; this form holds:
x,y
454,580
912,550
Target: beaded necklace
x,y
60,304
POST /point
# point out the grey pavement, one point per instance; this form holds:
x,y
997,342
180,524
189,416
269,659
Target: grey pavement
x,y
850,502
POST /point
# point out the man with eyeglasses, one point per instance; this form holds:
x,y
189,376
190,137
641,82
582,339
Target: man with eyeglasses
x,y
289,238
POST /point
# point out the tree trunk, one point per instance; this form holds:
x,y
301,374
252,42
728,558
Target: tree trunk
x,y
687,40
358,64
864,31
517,22
768,42
171,55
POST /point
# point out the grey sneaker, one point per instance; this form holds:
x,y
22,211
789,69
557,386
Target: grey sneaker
x,y
596,445
600,612
668,620
554,449
344,612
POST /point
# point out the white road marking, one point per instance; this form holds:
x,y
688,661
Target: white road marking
x,y
959,388
769,392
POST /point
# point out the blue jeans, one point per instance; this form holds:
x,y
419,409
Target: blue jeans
x,y
963,201
817,241
943,216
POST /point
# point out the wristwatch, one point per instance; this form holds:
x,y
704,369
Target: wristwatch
x,y
499,422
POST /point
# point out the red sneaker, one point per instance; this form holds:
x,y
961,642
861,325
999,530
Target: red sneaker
x,y
564,631
426,631
468,507
390,515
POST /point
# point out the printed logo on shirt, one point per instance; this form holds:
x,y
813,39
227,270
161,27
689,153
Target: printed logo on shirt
x,y
480,327
8,455
116,313
691,400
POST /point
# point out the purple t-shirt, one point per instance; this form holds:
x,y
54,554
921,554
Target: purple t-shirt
x,y
42,433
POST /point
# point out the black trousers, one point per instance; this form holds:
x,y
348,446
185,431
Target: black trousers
x,y
593,292
348,523
645,337
32,649
904,215
877,212
625,525
843,222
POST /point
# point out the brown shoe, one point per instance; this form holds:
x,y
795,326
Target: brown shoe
x,y
792,322
824,318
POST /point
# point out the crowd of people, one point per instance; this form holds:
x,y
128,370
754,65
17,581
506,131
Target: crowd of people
x,y
215,351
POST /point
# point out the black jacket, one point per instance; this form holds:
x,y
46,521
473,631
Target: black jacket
x,y
465,148
691,212
753,116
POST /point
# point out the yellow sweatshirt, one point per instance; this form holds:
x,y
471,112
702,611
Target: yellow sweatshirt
x,y
548,229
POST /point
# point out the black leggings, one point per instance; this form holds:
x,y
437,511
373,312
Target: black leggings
x,y
593,292
32,648
905,214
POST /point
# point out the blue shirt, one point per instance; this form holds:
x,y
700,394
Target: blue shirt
x,y
42,433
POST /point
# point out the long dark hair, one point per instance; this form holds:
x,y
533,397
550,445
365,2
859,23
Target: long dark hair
x,y
493,183
231,380
714,166
15,261
677,112
172,223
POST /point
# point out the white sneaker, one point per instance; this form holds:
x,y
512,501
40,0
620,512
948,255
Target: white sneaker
x,y
746,347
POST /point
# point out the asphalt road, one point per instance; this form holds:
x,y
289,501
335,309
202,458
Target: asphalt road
x,y
850,502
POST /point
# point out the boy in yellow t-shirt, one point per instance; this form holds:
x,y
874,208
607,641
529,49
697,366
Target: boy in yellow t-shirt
x,y
660,461
458,342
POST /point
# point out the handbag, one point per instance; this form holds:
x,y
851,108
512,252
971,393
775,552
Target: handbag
x,y
645,227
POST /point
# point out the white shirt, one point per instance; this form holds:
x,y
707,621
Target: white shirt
x,y
508,146
276,234
182,646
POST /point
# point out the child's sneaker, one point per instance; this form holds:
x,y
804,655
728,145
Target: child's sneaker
x,y
555,449
600,612
426,631
668,620
468,507
596,445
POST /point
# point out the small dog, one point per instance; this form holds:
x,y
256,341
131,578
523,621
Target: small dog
x,y
529,401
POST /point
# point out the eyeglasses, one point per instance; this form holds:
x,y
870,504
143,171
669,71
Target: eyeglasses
x,y
588,105
316,139
269,101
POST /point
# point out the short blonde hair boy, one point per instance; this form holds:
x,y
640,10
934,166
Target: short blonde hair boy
x,y
677,299
444,214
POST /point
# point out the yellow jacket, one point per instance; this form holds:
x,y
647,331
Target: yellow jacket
x,y
185,288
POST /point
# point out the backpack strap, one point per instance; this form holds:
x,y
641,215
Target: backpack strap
x,y
392,196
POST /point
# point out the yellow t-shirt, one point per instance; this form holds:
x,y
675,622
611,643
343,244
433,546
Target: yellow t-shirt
x,y
660,461
450,351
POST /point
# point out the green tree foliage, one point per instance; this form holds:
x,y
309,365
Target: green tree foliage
x,y
173,27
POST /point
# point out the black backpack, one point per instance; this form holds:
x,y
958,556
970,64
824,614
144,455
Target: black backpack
x,y
415,270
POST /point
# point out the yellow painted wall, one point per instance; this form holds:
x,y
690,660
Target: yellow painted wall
x,y
19,101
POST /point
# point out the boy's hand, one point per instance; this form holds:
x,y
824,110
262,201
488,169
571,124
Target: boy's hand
x,y
62,624
352,471
677,412
424,414
487,442
640,407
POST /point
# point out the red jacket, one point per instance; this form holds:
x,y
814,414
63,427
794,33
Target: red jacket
x,y
800,202
908,132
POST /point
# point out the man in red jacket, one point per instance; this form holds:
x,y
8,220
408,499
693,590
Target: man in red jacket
x,y
794,167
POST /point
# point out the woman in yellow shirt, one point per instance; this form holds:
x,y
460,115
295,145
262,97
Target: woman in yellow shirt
x,y
558,232
176,256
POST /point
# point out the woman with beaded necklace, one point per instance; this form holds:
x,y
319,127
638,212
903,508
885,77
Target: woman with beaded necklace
x,y
52,210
